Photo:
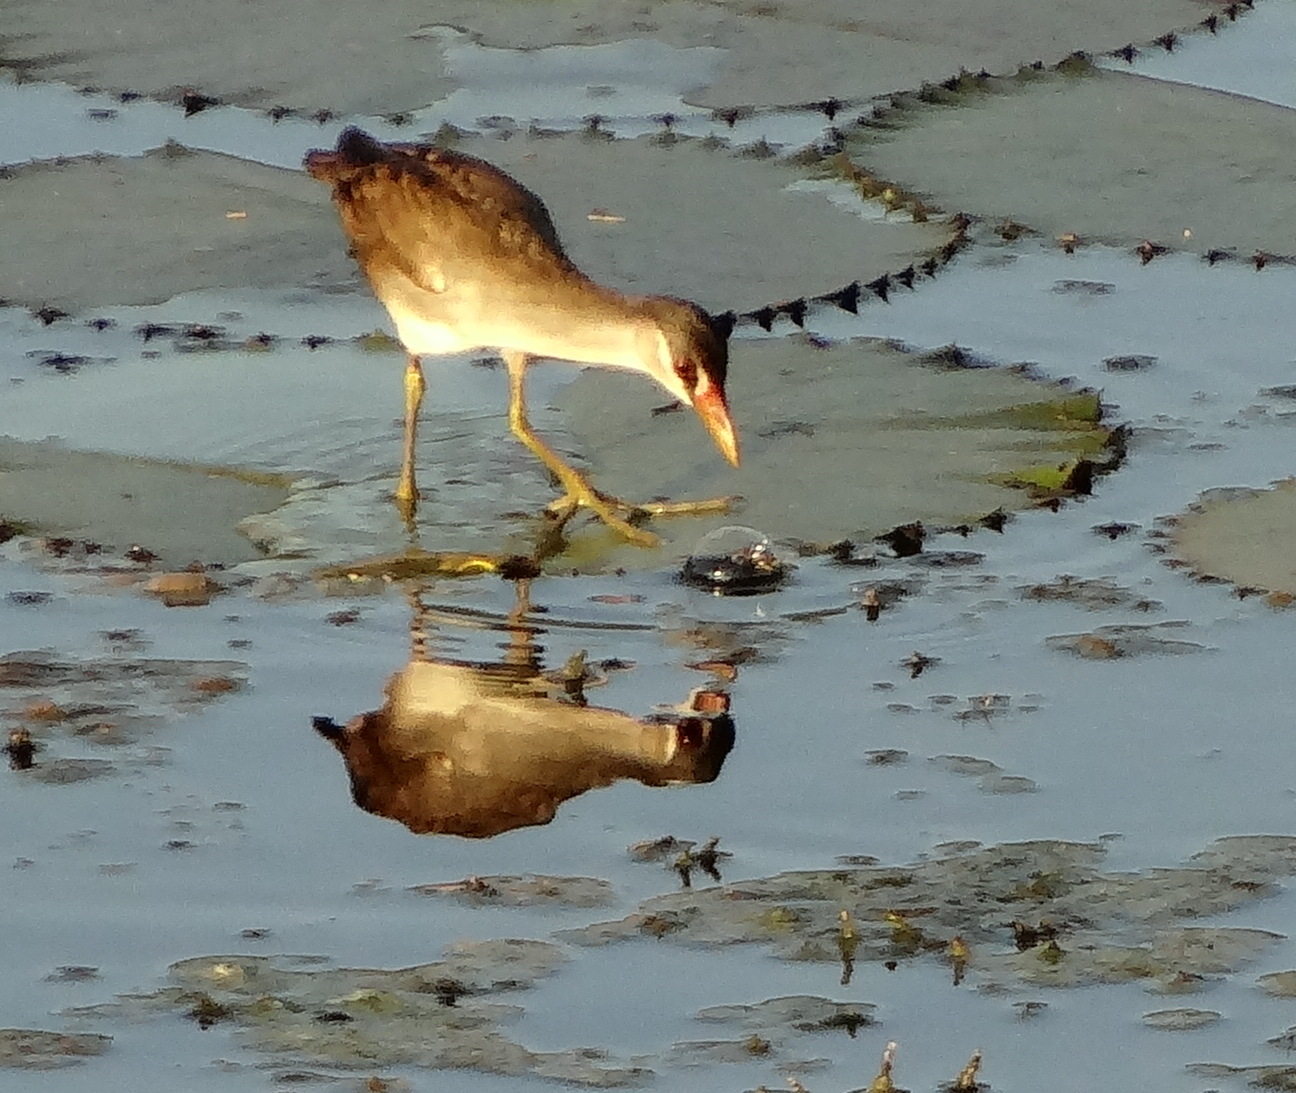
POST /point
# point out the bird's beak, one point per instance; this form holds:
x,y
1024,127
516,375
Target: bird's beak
x,y
714,412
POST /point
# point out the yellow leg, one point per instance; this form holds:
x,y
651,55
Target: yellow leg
x,y
407,489
580,492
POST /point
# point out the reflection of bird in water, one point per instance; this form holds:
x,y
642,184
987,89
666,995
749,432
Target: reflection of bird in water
x,y
477,749
464,257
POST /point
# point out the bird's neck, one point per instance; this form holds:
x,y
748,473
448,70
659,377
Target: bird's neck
x,y
600,327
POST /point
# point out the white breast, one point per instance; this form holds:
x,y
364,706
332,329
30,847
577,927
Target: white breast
x,y
421,336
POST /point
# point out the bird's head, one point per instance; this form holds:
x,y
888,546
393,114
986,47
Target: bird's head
x,y
691,360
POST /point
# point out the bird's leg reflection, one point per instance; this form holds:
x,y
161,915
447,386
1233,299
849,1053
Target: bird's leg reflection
x,y
407,488
477,748
522,653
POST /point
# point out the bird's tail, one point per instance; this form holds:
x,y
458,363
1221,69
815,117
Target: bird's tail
x,y
355,148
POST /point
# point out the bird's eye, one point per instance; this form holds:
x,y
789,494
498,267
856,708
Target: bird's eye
x,y
688,374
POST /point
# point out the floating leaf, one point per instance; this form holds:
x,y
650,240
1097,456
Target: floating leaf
x,y
1111,156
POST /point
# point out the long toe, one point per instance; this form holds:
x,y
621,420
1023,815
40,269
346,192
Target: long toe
x,y
616,514
606,509
689,508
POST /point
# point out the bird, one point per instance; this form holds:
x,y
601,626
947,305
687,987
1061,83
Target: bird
x,y
464,257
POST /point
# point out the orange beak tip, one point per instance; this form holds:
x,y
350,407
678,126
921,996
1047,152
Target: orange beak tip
x,y
715,416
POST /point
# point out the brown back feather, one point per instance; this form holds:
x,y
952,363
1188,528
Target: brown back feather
x,y
433,215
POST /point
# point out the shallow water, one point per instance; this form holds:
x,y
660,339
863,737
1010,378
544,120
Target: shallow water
x,y
235,815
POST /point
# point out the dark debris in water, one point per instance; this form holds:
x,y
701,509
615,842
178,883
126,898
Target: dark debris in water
x,y
916,663
20,749
906,540
195,102
1114,529
1083,288
25,598
198,337
684,857
883,595
947,559
64,363
1132,362
73,973
663,849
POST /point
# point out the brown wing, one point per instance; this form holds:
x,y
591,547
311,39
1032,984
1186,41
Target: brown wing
x,y
478,183
441,219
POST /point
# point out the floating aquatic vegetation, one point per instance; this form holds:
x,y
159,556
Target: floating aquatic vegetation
x,y
36,1049
143,51
1094,594
1257,1077
1181,1020
186,240
444,1014
1035,912
526,891
1244,536
893,442
153,226
991,778
114,701
98,503
798,1013
1104,156
1110,642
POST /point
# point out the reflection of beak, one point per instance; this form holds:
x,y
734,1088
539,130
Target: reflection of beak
x,y
714,412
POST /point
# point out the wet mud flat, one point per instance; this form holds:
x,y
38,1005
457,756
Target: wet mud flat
x,y
1000,762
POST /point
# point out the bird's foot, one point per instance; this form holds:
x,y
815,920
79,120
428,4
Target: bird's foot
x,y
688,508
609,510
623,517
